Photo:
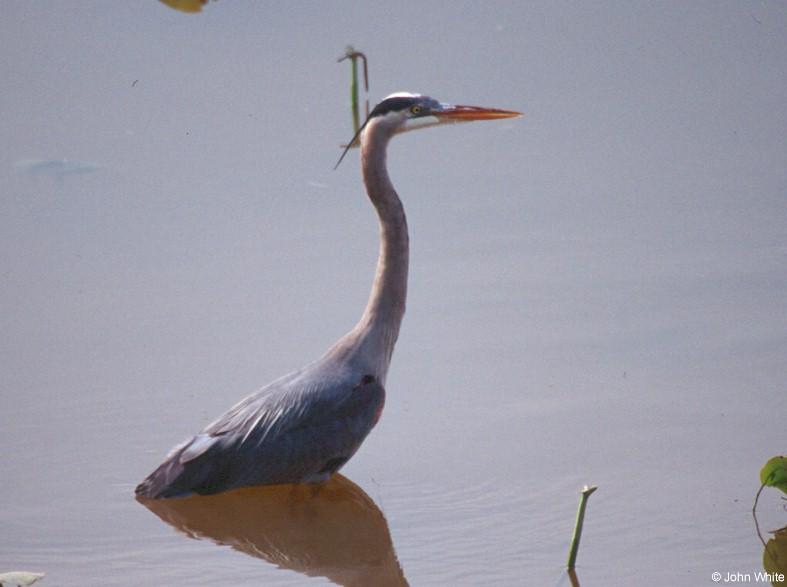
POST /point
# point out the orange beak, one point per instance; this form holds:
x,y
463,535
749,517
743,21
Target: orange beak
x,y
467,113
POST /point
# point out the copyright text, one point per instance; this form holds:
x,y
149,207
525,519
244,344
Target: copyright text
x,y
758,577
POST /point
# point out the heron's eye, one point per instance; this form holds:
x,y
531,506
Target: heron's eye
x,y
415,109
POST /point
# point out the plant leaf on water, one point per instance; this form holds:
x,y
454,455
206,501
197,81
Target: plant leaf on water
x,y
774,557
774,473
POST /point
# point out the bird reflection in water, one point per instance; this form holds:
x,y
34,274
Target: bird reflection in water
x,y
332,530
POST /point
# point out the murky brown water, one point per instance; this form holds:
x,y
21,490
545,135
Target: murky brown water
x,y
596,297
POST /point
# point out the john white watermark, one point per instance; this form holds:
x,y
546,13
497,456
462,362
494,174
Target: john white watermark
x,y
758,577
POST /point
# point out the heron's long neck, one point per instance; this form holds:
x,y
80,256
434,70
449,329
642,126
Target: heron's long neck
x,y
370,344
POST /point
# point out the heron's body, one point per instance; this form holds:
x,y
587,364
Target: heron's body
x,y
304,426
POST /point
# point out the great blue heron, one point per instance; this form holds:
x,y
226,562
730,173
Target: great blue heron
x,y
305,426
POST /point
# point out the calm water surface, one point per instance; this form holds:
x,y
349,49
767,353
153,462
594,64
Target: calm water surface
x,y
597,289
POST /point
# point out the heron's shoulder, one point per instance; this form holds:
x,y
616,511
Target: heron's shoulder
x,y
315,387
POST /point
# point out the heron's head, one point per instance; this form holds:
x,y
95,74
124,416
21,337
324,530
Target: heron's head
x,y
401,112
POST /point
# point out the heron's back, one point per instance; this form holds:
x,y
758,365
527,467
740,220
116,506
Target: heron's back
x,y
300,428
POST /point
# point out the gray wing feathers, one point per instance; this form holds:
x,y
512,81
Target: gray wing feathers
x,y
293,430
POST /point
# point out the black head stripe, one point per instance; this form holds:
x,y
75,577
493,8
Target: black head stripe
x,y
392,104
396,104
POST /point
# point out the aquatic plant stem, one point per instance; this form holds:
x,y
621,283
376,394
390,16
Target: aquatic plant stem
x,y
354,96
353,55
584,495
754,515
